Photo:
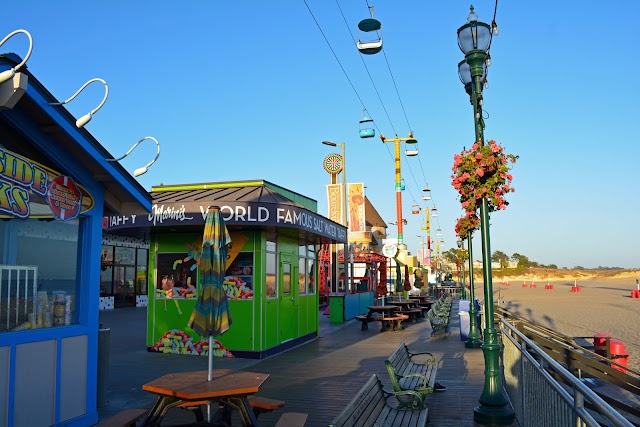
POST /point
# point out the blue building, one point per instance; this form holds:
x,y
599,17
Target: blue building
x,y
55,189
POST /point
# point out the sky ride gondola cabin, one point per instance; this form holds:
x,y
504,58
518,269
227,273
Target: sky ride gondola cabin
x,y
370,25
411,148
366,127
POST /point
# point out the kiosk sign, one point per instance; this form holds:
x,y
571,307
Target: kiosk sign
x,y
390,250
29,190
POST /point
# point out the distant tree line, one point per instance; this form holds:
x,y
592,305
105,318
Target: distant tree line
x,y
524,261
460,256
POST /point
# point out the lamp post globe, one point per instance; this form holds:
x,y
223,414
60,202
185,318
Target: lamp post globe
x,y
474,40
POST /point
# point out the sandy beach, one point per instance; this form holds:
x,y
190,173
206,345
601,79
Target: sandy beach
x,y
603,306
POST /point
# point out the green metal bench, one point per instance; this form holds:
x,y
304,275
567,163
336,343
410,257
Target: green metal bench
x,y
439,323
373,405
405,374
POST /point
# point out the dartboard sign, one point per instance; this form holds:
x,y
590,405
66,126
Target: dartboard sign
x,y
333,163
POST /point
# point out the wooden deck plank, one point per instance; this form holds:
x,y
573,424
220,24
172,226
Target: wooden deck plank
x,y
321,377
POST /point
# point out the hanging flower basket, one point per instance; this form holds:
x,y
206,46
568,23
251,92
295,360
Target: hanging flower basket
x,y
467,225
483,172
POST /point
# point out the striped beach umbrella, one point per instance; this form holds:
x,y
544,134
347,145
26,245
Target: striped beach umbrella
x,y
211,316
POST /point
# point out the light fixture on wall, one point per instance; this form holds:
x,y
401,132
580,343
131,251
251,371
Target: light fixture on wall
x,y
8,74
143,169
87,117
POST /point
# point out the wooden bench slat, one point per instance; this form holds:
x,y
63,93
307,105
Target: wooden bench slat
x,y
265,403
292,419
408,375
125,418
369,407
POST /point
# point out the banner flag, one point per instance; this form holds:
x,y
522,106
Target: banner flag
x,y
356,207
334,198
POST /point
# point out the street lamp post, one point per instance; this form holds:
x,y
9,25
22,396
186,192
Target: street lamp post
x,y
474,40
474,340
345,220
463,287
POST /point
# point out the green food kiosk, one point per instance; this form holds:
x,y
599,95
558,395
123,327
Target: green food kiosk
x,y
271,277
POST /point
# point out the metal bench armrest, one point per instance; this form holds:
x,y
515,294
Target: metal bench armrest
x,y
408,399
422,353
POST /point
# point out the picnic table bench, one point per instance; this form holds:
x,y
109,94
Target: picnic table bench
x,y
259,404
387,315
412,313
394,322
125,418
405,374
373,405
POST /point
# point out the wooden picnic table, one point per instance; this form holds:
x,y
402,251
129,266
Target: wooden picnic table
x,y
421,298
387,312
227,387
408,307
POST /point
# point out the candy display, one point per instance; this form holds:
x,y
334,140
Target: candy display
x,y
176,341
182,293
236,288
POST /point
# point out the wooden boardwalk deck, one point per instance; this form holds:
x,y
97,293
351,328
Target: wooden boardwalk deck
x,y
318,378
321,377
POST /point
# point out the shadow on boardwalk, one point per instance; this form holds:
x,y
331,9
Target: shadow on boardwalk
x,y
318,378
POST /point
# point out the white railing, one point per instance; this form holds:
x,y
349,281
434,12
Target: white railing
x,y
18,295
538,399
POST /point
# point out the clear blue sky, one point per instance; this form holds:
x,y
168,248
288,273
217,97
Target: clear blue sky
x,y
248,90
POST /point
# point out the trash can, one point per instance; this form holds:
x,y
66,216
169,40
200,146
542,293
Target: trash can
x,y
600,344
336,308
104,347
464,325
618,354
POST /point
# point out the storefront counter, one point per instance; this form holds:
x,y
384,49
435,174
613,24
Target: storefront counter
x,y
356,304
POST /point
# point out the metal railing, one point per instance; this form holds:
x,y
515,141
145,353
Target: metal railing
x,y
18,288
543,393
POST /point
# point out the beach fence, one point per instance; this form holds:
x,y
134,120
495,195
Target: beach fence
x,y
543,393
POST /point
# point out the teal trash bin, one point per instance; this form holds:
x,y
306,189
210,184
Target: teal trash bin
x,y
336,308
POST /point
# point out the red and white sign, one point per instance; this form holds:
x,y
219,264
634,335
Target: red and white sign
x,y
64,198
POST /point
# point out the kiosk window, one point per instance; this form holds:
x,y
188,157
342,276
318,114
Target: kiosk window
x,y
38,273
238,282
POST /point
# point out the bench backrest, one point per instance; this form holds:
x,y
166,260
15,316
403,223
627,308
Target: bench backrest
x,y
397,363
365,407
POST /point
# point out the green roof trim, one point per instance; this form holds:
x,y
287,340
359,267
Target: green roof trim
x,y
298,198
204,186
307,202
